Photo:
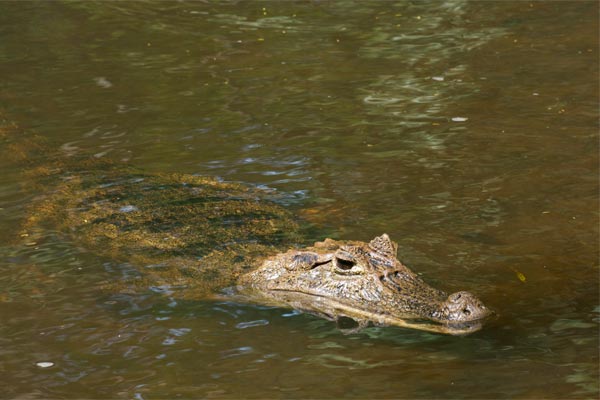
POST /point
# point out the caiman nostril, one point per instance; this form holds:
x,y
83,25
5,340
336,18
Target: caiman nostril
x,y
464,306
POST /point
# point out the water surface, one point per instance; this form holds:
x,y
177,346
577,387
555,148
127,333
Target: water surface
x,y
467,131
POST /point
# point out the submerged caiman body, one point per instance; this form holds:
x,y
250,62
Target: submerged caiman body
x,y
194,236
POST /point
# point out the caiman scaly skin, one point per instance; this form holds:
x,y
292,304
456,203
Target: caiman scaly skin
x,y
197,235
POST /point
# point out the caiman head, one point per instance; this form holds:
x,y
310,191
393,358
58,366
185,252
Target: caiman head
x,y
364,282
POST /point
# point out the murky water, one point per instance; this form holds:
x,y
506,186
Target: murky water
x,y
468,131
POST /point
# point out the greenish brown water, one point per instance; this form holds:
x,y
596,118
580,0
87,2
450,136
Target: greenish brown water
x,y
468,131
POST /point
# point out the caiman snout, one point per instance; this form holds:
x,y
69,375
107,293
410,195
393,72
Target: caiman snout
x,y
463,307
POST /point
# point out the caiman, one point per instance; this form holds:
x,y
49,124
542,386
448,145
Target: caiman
x,y
194,236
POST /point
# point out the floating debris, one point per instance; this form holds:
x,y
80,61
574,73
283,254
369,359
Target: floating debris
x,y
459,119
128,209
103,82
250,324
45,364
519,274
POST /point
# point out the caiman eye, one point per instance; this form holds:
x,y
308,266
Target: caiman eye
x,y
344,264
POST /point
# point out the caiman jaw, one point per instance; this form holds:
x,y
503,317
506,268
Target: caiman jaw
x,y
333,309
461,314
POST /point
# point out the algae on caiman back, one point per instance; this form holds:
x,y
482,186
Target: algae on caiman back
x,y
197,235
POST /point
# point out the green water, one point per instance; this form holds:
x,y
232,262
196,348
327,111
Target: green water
x,y
468,131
